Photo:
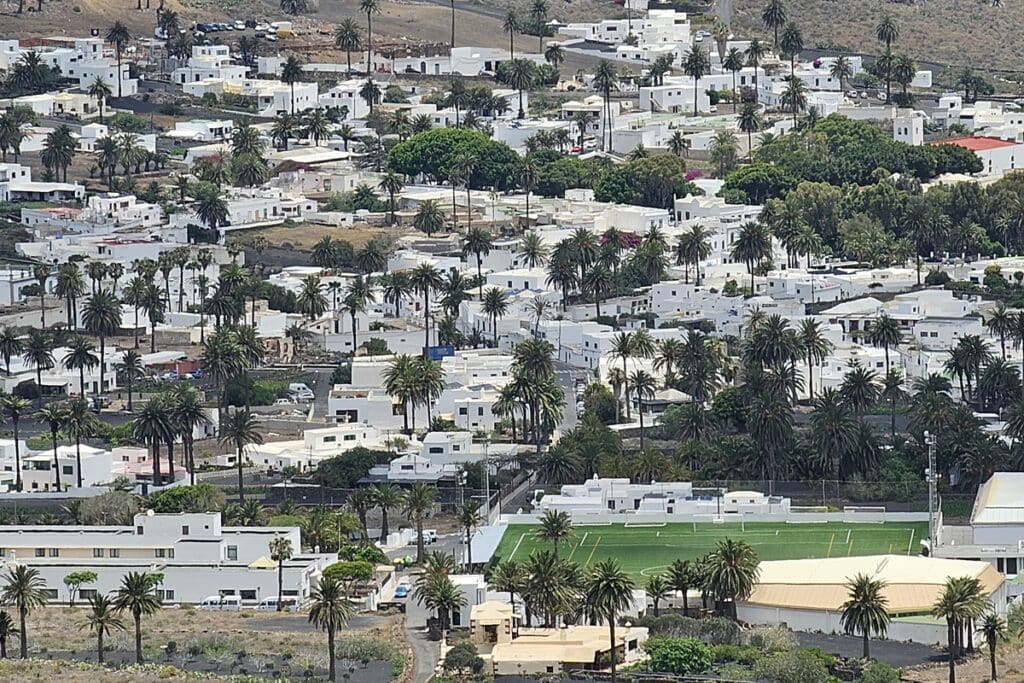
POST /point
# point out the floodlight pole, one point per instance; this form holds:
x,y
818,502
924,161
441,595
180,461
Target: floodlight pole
x,y
930,475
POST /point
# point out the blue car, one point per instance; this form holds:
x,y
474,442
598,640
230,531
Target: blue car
x,y
402,591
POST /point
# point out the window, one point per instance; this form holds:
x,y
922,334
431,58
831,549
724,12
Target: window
x,y
138,530
68,469
330,439
165,594
40,552
480,411
3,552
115,552
50,593
435,450
184,529
233,552
87,593
1011,565
456,447
247,594
160,552
97,552
350,437
463,411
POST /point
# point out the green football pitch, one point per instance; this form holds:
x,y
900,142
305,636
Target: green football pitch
x,y
644,550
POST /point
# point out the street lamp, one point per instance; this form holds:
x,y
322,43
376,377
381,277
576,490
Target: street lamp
x,y
931,476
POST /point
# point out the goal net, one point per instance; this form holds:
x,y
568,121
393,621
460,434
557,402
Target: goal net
x,y
642,523
864,514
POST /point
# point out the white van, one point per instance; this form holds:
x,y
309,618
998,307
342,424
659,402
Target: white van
x,y
270,604
222,603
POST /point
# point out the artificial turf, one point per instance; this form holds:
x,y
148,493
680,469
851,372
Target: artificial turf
x,y
642,551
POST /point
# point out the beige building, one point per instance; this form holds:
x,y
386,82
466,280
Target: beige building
x,y
511,650
807,595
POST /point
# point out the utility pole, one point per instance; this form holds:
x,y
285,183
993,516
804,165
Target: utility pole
x,y
487,484
932,478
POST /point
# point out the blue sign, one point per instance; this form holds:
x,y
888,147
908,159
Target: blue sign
x,y
439,352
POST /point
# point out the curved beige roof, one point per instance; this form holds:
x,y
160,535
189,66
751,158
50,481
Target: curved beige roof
x,y
913,583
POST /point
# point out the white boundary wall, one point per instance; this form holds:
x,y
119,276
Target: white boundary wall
x,y
827,621
655,518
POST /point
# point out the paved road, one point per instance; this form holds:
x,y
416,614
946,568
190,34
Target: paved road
x,y
426,652
472,8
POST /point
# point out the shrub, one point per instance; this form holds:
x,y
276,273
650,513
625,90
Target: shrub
x,y
791,666
720,630
880,672
743,654
772,638
685,656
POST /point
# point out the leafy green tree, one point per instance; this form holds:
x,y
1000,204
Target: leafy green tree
x,y
683,656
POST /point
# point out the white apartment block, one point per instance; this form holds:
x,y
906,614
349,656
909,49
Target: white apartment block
x,y
16,185
196,556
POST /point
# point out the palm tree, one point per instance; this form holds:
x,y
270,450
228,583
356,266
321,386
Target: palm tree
x,y
511,27
732,572
239,429
774,17
119,36
609,591
291,73
682,576
186,413
696,65
993,627
392,184
417,505
734,62
469,519
329,607
100,90
842,71
960,602
347,38
10,346
478,243
41,272
749,121
692,248
791,43
794,96
81,356
752,246
426,278
369,8
54,416
428,218
131,368
509,577
15,407
520,77
281,551
101,317
311,300
7,631
494,305
885,333
79,423
605,79
102,620
532,250
387,497
865,609
1000,323
137,595
887,31
815,347
554,528
658,588
24,590
644,386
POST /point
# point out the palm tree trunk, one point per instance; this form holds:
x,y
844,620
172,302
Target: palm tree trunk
x,y
280,584
640,414
56,462
611,638
419,539
241,488
157,476
17,460
951,646
991,660
138,636
99,645
867,652
78,458
170,460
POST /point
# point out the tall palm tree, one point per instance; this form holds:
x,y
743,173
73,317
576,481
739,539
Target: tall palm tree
x,y
752,245
186,413
80,357
554,528
609,591
426,278
281,551
960,602
605,79
732,572
152,426
10,346
644,386
291,73
239,429
696,65
369,8
510,577
119,36
102,620
15,407
494,305
1000,323
774,17
682,576
885,333
101,317
993,627
815,348
100,90
417,505
657,588
54,415
329,610
842,71
865,609
749,121
387,497
131,368
79,423
137,596
347,38
791,43
469,519
24,589
478,243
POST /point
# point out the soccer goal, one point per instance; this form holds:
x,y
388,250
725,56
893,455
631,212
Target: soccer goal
x,y
642,524
864,514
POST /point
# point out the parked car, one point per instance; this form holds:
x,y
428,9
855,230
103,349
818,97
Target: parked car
x,y
262,27
239,25
402,591
221,603
284,402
